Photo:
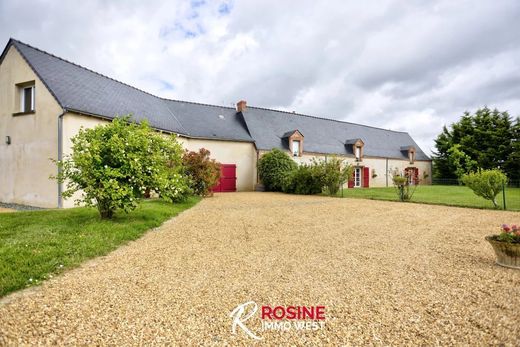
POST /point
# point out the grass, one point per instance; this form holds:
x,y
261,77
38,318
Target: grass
x,y
37,245
439,195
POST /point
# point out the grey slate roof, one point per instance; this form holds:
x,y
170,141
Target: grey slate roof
x,y
81,90
322,135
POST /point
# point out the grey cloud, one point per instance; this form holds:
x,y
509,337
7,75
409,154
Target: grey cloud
x,y
407,65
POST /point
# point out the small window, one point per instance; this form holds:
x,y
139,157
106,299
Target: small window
x,y
358,153
296,148
27,99
411,156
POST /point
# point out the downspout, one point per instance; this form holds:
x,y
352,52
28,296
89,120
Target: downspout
x,y
386,175
60,156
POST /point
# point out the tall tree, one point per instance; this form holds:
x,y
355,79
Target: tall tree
x,y
489,137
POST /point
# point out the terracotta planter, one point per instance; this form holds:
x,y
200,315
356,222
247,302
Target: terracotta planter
x,y
508,254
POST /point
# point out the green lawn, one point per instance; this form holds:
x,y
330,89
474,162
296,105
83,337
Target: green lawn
x,y
441,195
39,244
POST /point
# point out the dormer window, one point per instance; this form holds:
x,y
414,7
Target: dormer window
x,y
26,97
355,146
411,156
358,153
410,152
294,139
296,148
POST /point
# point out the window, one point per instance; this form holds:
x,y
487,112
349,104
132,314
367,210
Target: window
x,y
27,98
296,148
411,156
358,153
357,177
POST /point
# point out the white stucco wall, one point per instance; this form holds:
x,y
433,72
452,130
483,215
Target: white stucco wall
x,y
25,164
242,154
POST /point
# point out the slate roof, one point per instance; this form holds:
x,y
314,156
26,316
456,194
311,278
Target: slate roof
x,y
323,135
78,89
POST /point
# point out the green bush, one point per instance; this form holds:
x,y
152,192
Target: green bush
x,y
486,183
273,167
335,174
402,185
203,172
305,179
116,164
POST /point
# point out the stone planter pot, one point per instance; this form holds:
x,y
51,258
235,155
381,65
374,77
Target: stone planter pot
x,y
508,254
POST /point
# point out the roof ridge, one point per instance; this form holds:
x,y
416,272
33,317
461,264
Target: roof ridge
x,y
325,118
198,103
85,68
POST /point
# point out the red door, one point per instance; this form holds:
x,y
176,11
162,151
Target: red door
x,y
228,179
366,177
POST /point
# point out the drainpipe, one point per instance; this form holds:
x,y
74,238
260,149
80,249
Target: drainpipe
x,y
386,174
60,155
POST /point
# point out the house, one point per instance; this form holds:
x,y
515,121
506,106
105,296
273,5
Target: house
x,y
45,100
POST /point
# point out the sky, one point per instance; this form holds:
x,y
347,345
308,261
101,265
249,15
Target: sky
x,y
406,65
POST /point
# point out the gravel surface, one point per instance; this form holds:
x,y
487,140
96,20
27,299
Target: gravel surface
x,y
388,274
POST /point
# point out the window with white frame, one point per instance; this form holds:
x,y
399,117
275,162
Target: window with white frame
x,y
27,98
357,177
358,153
296,148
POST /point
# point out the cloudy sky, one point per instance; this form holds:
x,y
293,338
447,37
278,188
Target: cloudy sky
x,y
403,65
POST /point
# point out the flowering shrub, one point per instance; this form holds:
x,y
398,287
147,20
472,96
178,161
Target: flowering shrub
x,y
204,173
115,165
510,234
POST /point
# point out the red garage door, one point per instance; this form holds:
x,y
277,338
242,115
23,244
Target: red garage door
x,y
228,179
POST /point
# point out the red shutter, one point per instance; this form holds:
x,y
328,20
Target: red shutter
x,y
366,177
416,178
351,183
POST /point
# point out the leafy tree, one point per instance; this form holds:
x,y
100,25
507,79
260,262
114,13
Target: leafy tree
x,y
273,167
486,183
488,137
203,171
114,165
460,161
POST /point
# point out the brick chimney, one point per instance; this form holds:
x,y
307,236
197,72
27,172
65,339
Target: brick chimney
x,y
241,106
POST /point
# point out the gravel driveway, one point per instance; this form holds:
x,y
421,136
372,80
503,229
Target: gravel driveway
x,y
387,273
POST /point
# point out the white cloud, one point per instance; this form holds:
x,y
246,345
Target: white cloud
x,y
411,66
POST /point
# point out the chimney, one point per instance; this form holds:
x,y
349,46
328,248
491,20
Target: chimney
x,y
241,106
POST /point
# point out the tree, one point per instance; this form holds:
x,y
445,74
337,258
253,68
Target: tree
x,y
273,167
460,161
486,183
487,137
114,165
204,172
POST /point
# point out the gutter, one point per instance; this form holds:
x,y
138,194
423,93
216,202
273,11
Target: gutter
x,y
60,155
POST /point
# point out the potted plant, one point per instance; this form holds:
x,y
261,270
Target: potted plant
x,y
507,246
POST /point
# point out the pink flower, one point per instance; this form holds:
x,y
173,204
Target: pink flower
x,y
514,227
505,228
